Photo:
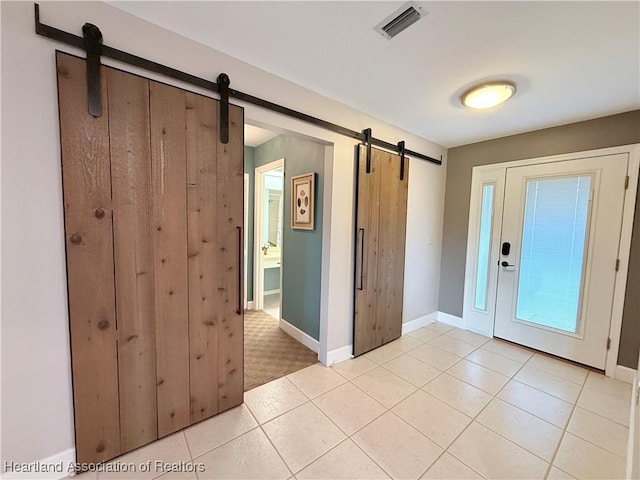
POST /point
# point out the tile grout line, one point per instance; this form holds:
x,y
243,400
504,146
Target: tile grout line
x,y
564,432
512,378
370,458
420,433
419,387
227,442
494,396
603,416
186,441
269,439
526,411
586,440
536,388
474,419
276,450
319,394
389,409
348,437
258,426
513,441
444,450
307,399
311,400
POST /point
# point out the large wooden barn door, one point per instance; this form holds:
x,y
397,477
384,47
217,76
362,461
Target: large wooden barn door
x,y
381,221
153,208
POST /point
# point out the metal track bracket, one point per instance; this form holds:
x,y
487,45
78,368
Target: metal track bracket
x,y
223,84
93,45
401,152
367,142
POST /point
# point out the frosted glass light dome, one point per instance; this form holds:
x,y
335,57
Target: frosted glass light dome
x,y
488,95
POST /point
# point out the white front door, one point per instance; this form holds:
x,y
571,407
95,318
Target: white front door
x,y
556,263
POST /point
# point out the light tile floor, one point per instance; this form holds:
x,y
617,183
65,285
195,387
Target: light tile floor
x,y
437,403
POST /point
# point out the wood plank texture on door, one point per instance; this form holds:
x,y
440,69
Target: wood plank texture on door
x,y
230,242
365,331
391,246
202,132
380,250
89,246
133,256
169,227
153,221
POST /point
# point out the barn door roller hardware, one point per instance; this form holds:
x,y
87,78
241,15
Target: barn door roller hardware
x,y
223,82
124,57
92,44
367,142
401,153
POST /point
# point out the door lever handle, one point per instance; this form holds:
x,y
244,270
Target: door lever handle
x,y
506,264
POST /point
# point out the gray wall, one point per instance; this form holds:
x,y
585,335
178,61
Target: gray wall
x,y
302,249
622,129
250,168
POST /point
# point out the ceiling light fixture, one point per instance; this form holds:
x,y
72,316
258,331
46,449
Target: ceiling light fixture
x,y
488,95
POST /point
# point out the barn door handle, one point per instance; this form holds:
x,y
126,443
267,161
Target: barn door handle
x,y
240,267
361,276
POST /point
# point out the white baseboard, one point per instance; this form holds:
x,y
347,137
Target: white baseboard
x,y
418,322
339,355
625,374
450,320
271,292
308,341
251,305
61,462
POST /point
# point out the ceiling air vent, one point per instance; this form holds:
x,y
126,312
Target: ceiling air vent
x,y
400,20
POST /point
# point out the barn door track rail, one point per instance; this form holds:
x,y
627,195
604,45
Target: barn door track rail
x,y
91,42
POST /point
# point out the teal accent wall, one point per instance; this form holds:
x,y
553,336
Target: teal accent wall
x,y
302,249
271,279
250,168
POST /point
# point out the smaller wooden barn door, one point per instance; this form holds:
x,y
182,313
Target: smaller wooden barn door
x,y
153,219
381,219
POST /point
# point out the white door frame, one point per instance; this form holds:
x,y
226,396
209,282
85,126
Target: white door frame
x,y
490,173
258,218
246,239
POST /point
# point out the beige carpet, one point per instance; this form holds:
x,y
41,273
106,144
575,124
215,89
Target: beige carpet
x,y
269,353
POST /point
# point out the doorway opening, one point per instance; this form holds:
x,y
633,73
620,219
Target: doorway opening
x,y
281,263
268,219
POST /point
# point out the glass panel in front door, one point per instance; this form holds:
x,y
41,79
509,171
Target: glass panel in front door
x,y
552,257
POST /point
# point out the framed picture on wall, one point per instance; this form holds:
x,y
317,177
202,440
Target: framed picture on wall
x,y
303,201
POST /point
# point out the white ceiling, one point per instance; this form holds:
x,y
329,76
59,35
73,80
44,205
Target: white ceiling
x,y
254,136
571,61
